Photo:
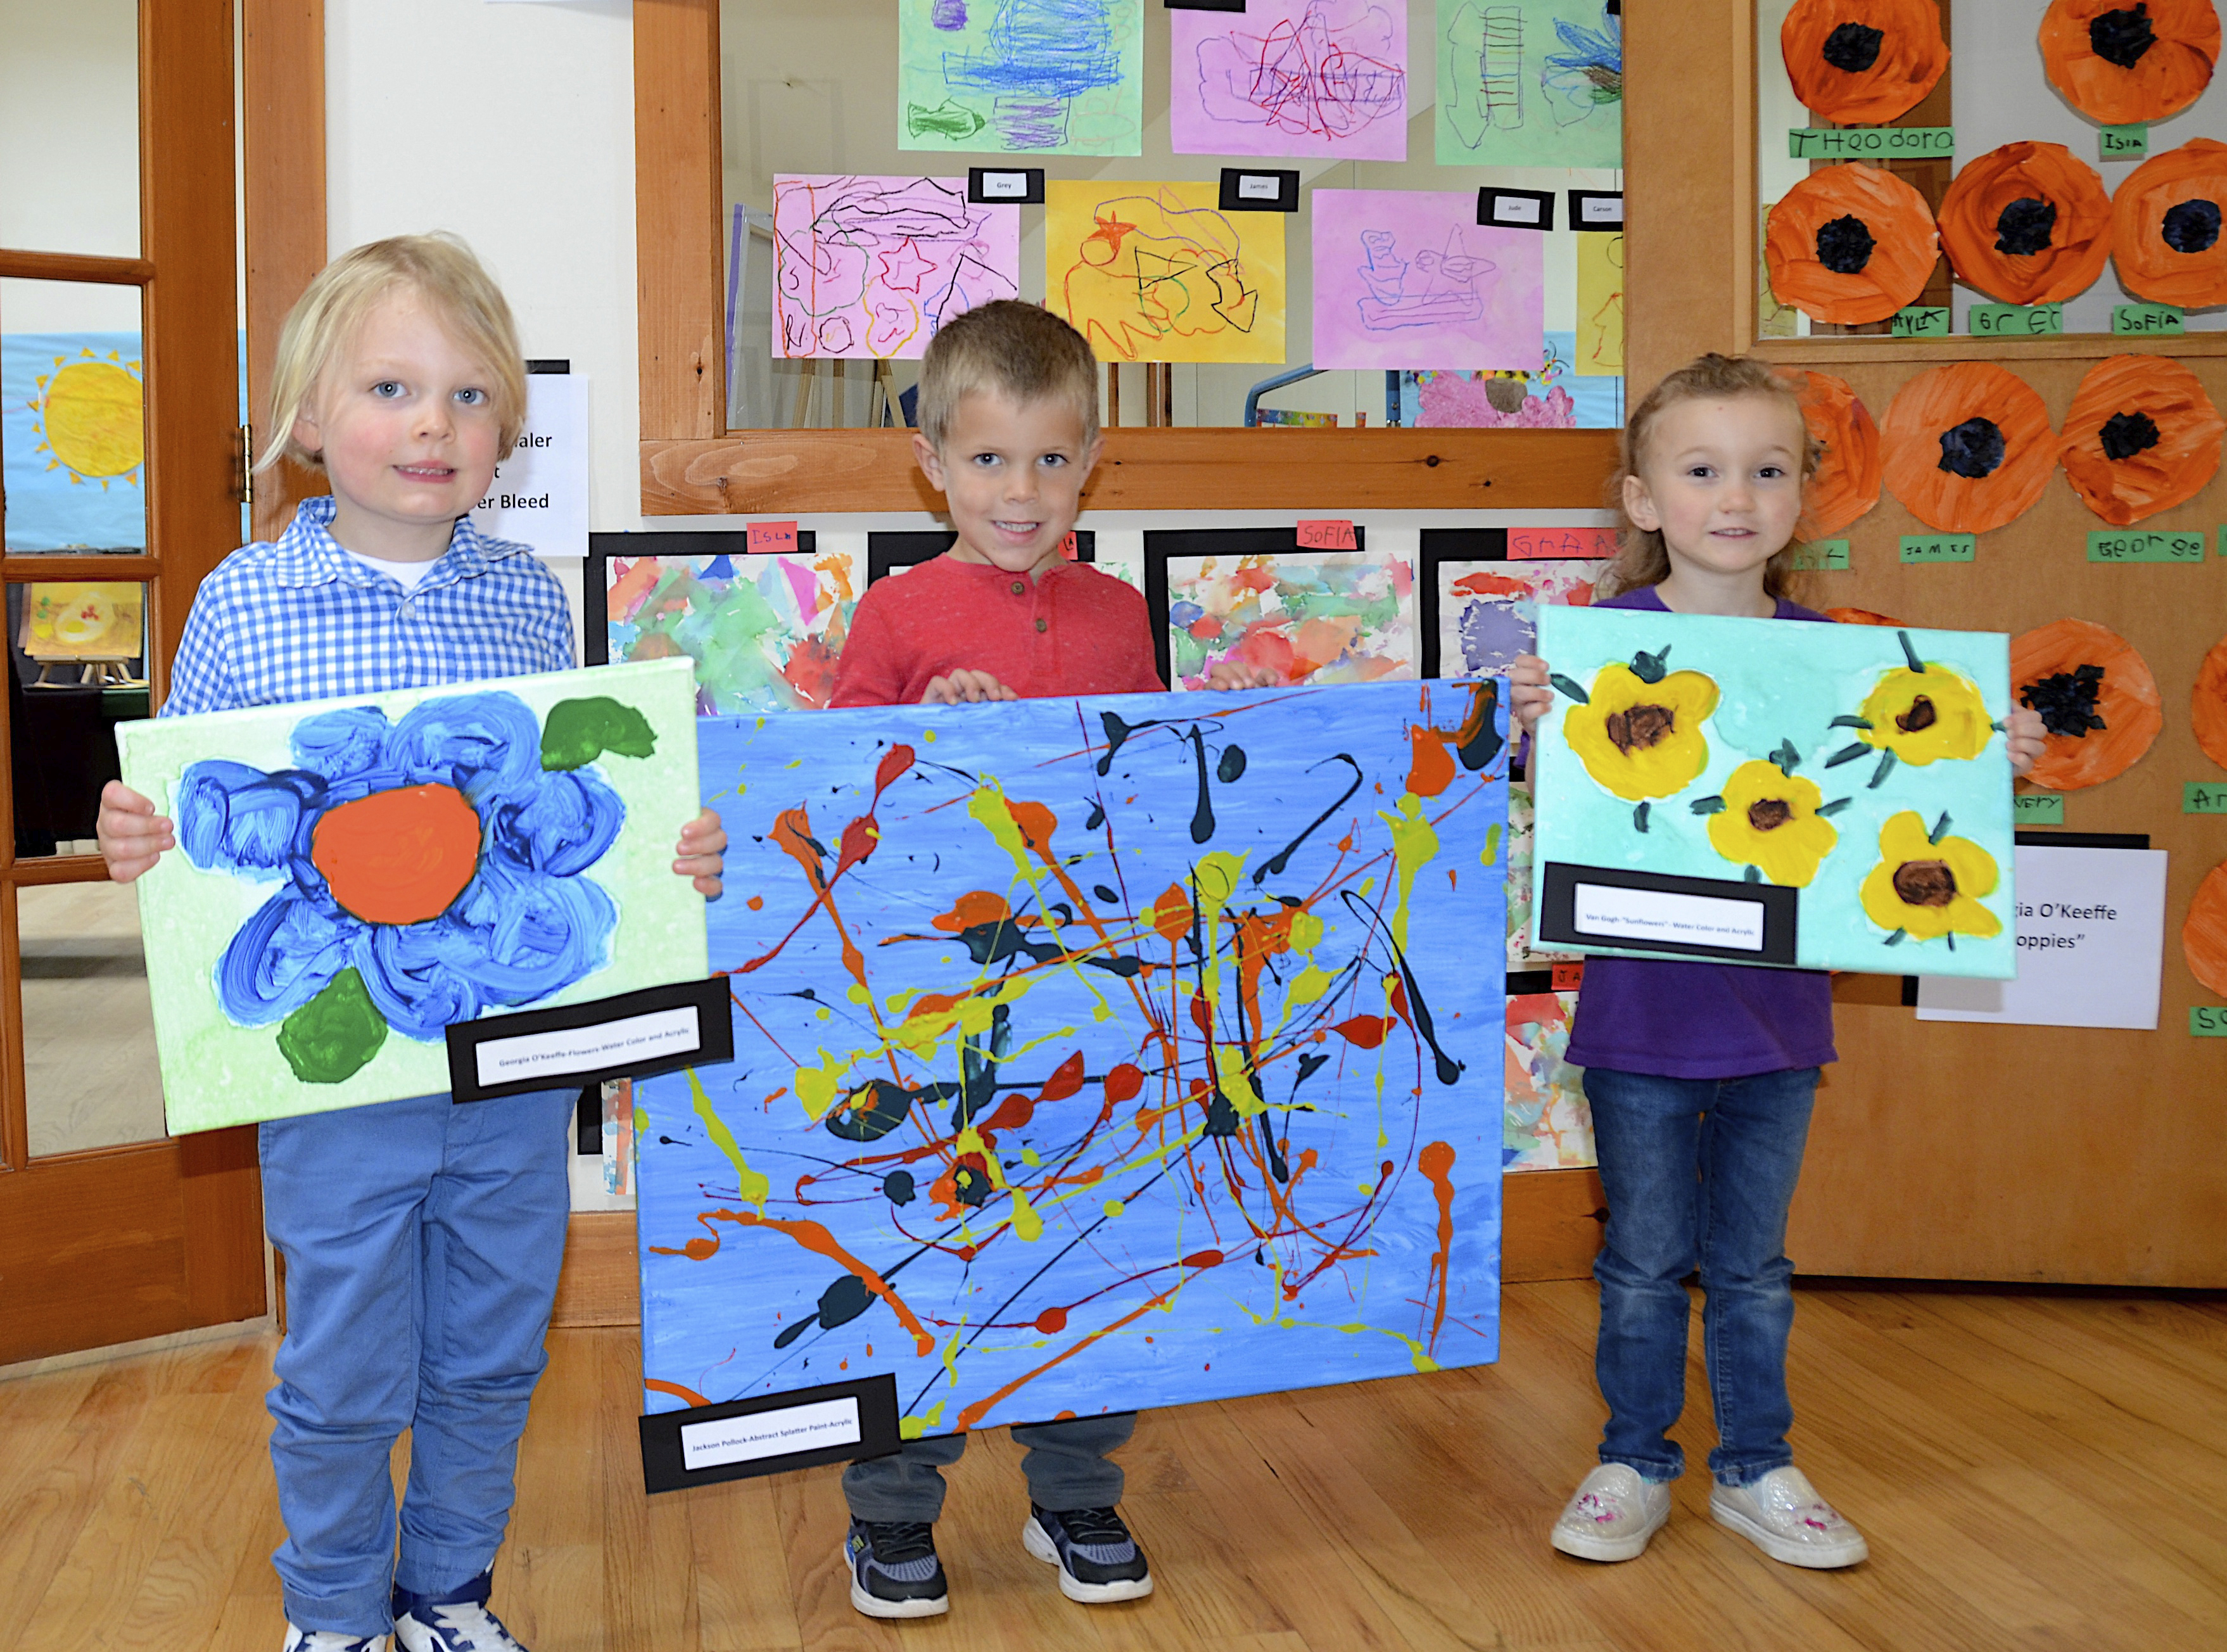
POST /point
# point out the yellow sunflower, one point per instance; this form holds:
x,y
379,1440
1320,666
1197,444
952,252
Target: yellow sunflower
x,y
1641,737
1923,715
1769,819
1928,885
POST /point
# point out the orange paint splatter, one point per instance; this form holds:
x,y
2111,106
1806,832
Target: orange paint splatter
x,y
1436,1162
982,1407
756,902
1430,765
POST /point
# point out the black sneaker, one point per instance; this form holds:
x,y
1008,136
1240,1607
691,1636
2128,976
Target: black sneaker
x,y
894,1571
1098,1560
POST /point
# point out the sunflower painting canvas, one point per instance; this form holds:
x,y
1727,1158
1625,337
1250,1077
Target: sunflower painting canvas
x,y
352,877
1755,792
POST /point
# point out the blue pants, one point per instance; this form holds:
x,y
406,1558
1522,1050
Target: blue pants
x,y
422,1242
1699,1173
1066,1466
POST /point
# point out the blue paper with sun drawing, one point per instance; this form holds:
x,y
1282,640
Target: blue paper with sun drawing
x,y
1090,1054
73,440
353,877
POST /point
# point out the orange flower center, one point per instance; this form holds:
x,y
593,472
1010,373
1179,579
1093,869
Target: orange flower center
x,y
398,857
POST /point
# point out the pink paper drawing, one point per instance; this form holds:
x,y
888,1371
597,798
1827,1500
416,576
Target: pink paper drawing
x,y
1410,279
870,267
1291,78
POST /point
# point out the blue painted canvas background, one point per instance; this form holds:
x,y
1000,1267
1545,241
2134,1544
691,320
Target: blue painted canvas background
x,y
1170,1082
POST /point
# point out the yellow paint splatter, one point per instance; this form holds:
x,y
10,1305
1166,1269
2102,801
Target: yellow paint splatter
x,y
1027,1224
753,1187
816,1086
1414,845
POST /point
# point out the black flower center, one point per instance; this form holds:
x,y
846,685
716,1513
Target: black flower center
x,y
2127,434
1639,728
1926,882
1921,715
1768,813
2022,228
2193,226
2067,700
1844,246
2120,38
1853,47
1974,449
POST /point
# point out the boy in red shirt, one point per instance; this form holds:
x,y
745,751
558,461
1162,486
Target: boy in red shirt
x,y
1009,433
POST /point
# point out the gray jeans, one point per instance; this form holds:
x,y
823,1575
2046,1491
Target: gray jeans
x,y
1066,1465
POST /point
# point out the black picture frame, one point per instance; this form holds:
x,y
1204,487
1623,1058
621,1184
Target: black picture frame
x,y
596,581
977,186
1593,222
1162,546
886,553
1234,199
1557,882
1443,545
1490,209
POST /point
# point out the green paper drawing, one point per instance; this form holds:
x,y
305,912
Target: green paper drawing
x,y
1041,77
1529,83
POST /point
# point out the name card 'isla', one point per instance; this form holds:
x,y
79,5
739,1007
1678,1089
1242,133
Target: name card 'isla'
x,y
1554,544
1939,547
1327,536
2122,143
773,536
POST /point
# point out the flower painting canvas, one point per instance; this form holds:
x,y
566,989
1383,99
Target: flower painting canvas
x,y
1090,1055
1759,792
352,876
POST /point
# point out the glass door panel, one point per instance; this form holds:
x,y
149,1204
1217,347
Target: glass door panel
x,y
72,418
69,126
89,1073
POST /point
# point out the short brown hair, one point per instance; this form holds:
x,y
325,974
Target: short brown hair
x,y
1020,349
1642,558
441,269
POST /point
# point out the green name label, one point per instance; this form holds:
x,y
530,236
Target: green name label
x,y
2122,143
2196,799
1821,554
2145,318
2014,321
1939,547
1922,321
2037,808
2118,544
2207,1021
1873,143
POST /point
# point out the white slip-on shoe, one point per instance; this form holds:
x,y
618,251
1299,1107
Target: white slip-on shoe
x,y
1783,1515
1614,1513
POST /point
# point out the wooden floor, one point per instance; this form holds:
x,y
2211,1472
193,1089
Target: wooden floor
x,y
2033,1471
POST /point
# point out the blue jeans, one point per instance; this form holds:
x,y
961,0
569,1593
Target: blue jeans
x,y
1699,1173
1066,1466
422,1242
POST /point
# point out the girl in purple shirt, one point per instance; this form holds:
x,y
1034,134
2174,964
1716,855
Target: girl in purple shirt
x,y
1702,1076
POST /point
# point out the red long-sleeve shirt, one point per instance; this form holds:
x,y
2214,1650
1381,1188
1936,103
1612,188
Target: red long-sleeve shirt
x,y
1071,630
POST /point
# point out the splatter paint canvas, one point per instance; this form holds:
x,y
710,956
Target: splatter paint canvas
x,y
1304,78
1763,792
871,267
1313,616
764,631
1408,278
1160,272
1488,611
353,875
1530,83
1548,1124
1090,1054
1040,77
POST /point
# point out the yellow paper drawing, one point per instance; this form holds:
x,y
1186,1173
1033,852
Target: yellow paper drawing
x,y
70,622
1600,305
1157,272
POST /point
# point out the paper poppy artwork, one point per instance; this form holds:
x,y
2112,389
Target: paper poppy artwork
x,y
1967,447
2097,700
1090,1055
2204,933
765,631
1730,788
353,876
2027,224
2207,704
1845,483
1863,62
1850,243
2166,223
2122,63
2140,438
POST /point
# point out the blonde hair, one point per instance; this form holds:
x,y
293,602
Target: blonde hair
x,y
441,271
1020,349
1641,558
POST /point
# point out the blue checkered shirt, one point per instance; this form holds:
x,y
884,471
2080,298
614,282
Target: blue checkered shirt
x,y
299,619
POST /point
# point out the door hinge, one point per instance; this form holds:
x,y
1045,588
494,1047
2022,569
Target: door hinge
x,y
243,488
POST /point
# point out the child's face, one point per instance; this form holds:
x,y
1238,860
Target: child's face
x,y
1012,473
405,417
1722,481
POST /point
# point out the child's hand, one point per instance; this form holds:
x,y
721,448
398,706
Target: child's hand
x,y
971,686
1529,695
702,850
132,836
2023,733
1235,674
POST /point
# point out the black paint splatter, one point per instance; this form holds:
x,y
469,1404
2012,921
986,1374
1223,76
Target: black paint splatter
x,y
1282,857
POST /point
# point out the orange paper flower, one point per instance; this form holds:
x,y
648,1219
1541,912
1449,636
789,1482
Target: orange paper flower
x,y
2166,224
1969,447
1850,243
2027,223
2207,706
2126,62
1862,616
2142,438
2096,696
1863,62
1846,482
2203,936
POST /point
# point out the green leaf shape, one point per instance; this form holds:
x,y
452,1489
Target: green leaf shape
x,y
335,1034
1940,828
1707,806
1570,688
1651,667
1898,937
1834,806
1754,875
1639,817
576,732
1786,757
1850,723
1911,654
1885,767
1845,755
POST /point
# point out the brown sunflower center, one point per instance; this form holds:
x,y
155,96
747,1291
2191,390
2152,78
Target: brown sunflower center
x,y
1639,728
1768,814
1921,715
1926,882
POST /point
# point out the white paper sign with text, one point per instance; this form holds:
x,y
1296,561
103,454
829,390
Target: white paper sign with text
x,y
539,495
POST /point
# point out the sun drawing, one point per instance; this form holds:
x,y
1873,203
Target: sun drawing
x,y
92,414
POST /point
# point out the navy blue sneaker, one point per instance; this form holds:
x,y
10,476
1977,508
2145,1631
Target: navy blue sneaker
x,y
456,1622
894,1570
1098,1560
331,1640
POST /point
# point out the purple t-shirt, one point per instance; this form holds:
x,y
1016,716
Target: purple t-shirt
x,y
1681,1020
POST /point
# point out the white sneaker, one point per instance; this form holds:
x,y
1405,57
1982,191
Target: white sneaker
x,y
1612,1515
327,1640
1783,1515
